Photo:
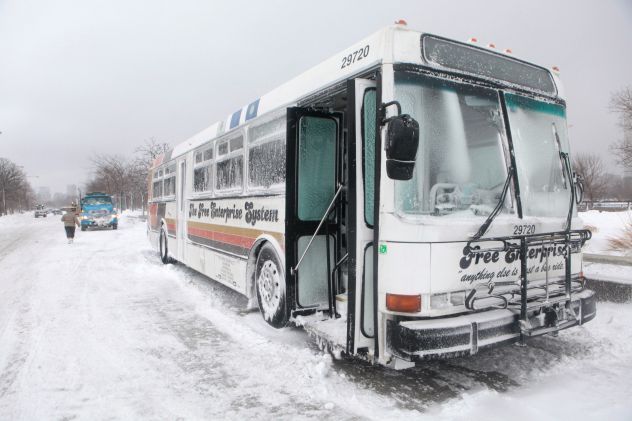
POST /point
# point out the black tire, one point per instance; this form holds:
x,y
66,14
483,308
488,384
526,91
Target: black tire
x,y
270,286
115,226
83,228
164,248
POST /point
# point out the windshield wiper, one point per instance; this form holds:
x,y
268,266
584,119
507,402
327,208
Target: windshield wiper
x,y
567,174
483,229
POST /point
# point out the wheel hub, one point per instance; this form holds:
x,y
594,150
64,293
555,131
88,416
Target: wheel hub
x,y
269,284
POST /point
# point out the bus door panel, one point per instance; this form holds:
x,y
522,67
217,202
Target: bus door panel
x,y
361,306
312,181
181,221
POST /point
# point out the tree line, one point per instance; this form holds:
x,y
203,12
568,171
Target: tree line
x,y
125,178
16,194
599,184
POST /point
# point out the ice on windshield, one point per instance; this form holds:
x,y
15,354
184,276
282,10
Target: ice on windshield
x,y
460,167
544,190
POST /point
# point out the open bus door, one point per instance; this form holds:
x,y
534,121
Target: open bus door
x,y
362,134
313,197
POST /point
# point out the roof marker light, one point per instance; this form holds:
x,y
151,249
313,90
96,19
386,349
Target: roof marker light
x,y
472,40
555,69
508,51
401,22
491,45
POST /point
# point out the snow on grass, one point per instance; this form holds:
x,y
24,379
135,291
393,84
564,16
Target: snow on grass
x,y
607,225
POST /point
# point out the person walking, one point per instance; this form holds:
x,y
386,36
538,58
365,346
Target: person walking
x,y
70,219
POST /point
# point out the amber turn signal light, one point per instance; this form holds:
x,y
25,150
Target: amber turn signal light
x,y
403,303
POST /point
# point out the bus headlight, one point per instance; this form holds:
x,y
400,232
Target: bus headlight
x,y
447,299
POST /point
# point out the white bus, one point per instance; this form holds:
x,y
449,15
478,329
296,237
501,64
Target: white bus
x,y
409,198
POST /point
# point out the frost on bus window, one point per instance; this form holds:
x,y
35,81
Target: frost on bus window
x,y
536,127
222,149
368,150
272,128
170,186
230,173
236,144
208,154
202,179
460,165
157,189
266,164
316,166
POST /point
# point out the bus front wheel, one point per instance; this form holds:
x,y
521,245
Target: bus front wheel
x,y
270,285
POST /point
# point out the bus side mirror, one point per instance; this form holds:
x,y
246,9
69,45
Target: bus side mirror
x,y
402,141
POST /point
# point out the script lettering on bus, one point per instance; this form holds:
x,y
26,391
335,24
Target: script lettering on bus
x,y
471,258
251,213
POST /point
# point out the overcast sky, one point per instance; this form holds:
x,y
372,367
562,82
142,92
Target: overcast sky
x,y
84,77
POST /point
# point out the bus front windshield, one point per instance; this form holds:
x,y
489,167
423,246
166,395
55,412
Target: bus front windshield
x,y
461,167
538,131
462,162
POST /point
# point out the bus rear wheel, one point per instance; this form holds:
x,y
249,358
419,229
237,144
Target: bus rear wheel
x,y
270,286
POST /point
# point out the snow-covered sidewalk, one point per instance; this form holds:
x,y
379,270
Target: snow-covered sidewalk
x,y
100,329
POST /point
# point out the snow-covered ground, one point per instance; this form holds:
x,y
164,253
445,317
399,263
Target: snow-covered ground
x,y
100,329
605,226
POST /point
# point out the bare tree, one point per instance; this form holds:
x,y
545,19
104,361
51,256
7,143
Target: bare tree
x,y
151,149
124,178
621,104
15,191
591,168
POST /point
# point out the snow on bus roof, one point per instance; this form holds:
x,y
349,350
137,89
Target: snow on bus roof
x,y
394,43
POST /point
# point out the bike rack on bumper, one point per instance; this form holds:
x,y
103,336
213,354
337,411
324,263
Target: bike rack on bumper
x,y
504,313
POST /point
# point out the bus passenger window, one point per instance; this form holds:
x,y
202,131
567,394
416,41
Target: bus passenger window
x,y
229,168
266,155
202,179
157,189
202,173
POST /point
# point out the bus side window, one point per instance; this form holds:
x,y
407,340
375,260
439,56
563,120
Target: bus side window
x,y
202,174
229,168
157,189
266,154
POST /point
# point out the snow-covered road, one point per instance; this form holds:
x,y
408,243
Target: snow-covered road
x,y
102,330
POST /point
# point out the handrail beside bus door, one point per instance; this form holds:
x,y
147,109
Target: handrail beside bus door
x,y
294,270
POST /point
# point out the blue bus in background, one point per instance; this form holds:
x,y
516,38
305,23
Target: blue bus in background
x,y
97,210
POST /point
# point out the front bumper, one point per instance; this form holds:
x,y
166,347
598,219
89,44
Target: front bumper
x,y
467,334
99,222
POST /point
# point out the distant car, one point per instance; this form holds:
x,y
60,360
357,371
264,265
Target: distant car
x,y
57,212
40,211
